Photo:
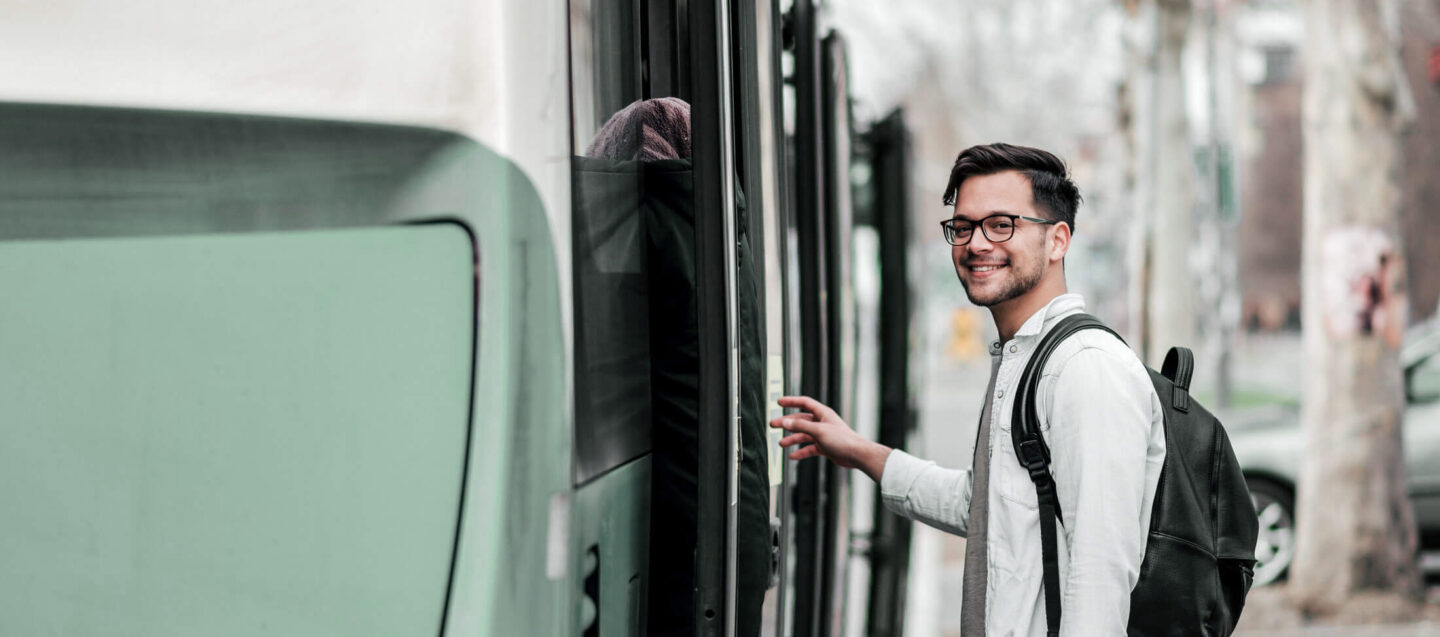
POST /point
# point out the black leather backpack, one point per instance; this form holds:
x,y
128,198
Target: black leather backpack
x,y
1200,553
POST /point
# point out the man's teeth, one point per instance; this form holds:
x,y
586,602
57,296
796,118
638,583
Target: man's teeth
x,y
984,268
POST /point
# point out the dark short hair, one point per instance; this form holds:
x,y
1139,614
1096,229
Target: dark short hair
x,y
1050,183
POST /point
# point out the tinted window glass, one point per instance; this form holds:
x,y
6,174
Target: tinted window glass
x,y
100,172
257,433
611,267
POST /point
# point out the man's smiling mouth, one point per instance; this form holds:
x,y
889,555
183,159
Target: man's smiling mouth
x,y
987,267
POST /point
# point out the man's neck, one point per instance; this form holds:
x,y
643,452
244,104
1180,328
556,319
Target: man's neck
x,y
1011,315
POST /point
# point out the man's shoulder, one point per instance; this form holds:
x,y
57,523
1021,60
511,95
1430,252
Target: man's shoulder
x,y
1098,366
1094,348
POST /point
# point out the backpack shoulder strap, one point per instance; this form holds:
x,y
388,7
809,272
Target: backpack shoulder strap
x,y
1034,455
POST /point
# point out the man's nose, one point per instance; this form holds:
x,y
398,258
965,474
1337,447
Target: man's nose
x,y
979,242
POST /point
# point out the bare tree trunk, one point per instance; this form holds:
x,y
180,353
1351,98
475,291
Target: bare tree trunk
x,y
1136,114
1216,237
1170,308
1356,530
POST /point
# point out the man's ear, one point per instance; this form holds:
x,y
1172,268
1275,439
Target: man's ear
x,y
1060,241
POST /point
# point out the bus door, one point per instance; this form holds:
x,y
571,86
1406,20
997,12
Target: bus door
x,y
762,174
825,311
671,513
876,603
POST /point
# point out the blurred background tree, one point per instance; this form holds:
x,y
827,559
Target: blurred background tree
x,y
1165,191
1355,528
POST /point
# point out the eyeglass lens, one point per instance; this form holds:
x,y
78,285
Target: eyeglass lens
x,y
996,229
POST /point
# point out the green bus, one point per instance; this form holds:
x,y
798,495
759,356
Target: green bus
x,y
458,316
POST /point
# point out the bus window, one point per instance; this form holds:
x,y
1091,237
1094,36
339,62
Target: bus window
x,y
76,171
611,268
245,433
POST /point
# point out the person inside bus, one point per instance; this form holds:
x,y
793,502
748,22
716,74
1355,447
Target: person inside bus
x,y
1013,216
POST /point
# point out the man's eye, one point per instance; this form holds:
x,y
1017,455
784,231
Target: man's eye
x,y
1003,225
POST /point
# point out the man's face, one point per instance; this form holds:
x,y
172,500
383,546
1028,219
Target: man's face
x,y
993,273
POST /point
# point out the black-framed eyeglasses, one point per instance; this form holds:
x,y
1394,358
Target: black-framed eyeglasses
x,y
998,228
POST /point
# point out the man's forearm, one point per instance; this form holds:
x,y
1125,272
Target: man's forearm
x,y
919,490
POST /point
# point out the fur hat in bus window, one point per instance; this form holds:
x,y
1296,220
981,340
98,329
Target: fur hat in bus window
x,y
646,130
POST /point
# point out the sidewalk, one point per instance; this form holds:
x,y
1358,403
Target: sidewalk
x,y
1267,615
1422,629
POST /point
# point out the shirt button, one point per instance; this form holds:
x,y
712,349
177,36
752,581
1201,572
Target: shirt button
x,y
1000,394
1012,349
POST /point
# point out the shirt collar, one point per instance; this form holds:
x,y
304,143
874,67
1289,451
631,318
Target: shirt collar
x,y
1058,308
1046,317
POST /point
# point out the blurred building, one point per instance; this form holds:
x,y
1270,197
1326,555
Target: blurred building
x,y
1420,28
1270,61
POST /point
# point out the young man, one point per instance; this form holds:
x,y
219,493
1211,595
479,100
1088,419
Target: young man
x,y
1014,212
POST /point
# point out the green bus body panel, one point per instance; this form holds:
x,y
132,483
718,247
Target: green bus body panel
x,y
76,172
234,434
611,518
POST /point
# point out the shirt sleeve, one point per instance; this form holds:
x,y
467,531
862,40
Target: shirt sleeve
x,y
1098,435
923,491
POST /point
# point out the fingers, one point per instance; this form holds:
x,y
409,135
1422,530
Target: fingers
x,y
808,426
805,452
781,422
796,439
804,426
808,404
799,414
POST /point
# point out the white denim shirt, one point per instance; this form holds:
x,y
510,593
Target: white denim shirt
x,y
1103,423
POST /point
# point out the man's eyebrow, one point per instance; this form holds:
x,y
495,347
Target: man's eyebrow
x,y
959,217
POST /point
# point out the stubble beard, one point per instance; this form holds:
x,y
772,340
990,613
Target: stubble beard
x,y
1022,280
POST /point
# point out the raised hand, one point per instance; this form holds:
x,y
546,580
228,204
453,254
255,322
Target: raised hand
x,y
824,433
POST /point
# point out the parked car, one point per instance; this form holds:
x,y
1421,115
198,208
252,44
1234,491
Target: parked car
x,y
1269,443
